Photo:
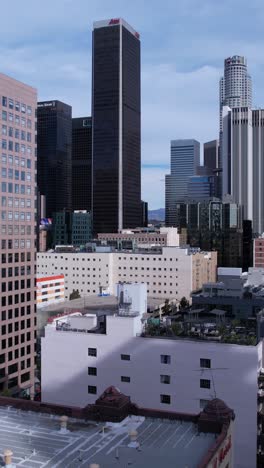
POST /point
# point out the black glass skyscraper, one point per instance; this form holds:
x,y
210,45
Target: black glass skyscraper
x,y
82,163
54,139
116,199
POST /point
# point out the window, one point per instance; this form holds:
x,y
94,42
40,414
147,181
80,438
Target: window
x,y
92,371
4,101
166,399
165,379
165,359
203,403
92,389
125,357
205,383
92,352
125,378
206,363
4,115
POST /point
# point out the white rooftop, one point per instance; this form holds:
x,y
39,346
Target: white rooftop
x,y
36,442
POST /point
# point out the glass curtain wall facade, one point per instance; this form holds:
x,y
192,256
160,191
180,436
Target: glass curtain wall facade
x,y
82,163
54,138
116,113
214,225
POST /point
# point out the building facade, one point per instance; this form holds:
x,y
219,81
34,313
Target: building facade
x,y
170,273
71,228
185,157
211,154
116,113
243,161
18,103
217,226
258,252
202,187
50,290
54,139
82,163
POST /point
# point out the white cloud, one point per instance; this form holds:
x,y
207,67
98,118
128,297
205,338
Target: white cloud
x,y
184,43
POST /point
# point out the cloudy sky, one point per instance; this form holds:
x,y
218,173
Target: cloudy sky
x,y
184,42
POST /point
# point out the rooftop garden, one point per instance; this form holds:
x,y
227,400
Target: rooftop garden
x,y
242,332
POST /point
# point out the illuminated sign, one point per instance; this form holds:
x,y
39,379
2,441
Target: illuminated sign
x,y
114,21
47,104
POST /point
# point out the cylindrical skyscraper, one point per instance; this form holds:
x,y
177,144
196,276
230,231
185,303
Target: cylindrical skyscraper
x,y
235,86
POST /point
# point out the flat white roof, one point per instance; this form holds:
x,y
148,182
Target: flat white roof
x,y
36,442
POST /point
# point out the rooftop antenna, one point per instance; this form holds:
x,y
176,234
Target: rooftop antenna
x,y
211,369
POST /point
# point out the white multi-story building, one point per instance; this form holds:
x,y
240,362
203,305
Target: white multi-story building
x,y
170,273
176,374
50,290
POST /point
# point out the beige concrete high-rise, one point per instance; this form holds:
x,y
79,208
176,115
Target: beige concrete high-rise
x,y
18,103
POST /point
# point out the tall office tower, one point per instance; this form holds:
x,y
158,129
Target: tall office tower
x,y
185,158
82,163
54,138
243,161
18,103
235,86
211,153
116,126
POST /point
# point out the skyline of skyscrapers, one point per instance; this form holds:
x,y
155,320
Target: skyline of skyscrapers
x,y
18,103
116,113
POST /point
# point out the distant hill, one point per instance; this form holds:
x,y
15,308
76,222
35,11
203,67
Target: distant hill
x,y
159,214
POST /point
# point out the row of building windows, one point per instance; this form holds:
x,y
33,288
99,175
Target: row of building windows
x,y
11,117
18,106
13,229
16,133
11,356
20,244
16,257
17,326
164,358
16,215
16,202
16,271
15,188
17,147
165,399
15,160
15,174
17,312
16,299
14,341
